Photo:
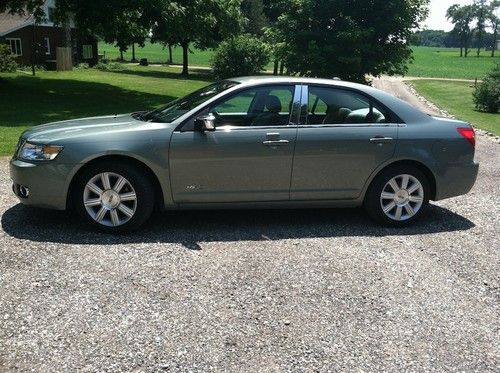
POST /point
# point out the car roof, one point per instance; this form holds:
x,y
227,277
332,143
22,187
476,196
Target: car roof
x,y
263,79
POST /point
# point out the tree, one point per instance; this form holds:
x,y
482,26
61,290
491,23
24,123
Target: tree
x,y
461,17
23,6
254,18
493,18
240,56
272,10
335,38
481,9
203,23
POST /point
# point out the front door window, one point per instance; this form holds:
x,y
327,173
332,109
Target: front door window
x,y
257,107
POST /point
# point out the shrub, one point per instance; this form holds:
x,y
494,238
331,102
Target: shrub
x,y
240,56
487,94
29,68
110,66
82,66
7,62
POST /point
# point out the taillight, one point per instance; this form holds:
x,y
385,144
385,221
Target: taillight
x,y
468,134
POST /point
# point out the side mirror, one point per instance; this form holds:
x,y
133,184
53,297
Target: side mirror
x,y
205,122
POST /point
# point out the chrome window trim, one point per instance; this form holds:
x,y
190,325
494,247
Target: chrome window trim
x,y
352,125
234,91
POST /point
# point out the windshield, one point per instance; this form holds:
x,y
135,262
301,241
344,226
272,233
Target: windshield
x,y
175,109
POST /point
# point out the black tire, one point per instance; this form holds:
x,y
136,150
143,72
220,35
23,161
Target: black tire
x,y
141,184
372,202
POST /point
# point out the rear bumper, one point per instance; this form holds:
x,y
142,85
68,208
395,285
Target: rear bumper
x,y
456,181
46,183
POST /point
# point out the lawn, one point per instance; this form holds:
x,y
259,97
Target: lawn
x,y
156,53
429,62
50,96
447,63
456,98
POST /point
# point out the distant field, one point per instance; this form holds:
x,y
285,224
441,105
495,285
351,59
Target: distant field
x,y
456,98
429,62
156,53
447,63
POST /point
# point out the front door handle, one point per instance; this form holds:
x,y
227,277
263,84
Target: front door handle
x,y
381,139
276,142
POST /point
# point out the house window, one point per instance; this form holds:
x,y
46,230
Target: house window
x,y
50,14
87,52
15,46
46,45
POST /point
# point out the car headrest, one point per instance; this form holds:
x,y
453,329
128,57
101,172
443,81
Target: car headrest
x,y
273,104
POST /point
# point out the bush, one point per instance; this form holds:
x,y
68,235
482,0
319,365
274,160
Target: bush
x,y
29,68
240,56
110,66
7,62
487,94
82,66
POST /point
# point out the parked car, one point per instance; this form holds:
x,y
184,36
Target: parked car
x,y
254,142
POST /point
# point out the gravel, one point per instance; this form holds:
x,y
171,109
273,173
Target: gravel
x,y
256,291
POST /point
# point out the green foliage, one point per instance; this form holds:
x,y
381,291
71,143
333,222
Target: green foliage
x,y
110,66
255,19
240,56
82,66
29,69
348,39
487,94
201,23
7,61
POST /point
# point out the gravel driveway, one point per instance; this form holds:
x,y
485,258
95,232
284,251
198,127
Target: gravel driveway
x,y
256,291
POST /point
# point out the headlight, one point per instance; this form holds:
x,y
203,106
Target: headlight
x,y
34,152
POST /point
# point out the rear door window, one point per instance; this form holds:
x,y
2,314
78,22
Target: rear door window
x,y
340,106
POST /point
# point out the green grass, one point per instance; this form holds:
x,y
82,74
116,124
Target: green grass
x,y
456,98
447,63
50,96
429,62
156,53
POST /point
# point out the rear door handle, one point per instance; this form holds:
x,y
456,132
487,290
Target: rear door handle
x,y
381,139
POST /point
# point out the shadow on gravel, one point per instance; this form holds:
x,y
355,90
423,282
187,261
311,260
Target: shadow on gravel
x,y
190,227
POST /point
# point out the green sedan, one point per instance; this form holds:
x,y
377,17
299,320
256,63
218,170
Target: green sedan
x,y
254,142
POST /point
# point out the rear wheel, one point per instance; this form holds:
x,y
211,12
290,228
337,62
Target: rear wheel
x,y
398,196
114,197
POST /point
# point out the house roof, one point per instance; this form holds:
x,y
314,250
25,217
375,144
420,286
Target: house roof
x,y
13,22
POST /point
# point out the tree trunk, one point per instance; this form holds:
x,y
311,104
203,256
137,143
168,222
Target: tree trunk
x,y
133,53
461,51
121,55
33,50
495,35
170,59
276,67
282,67
185,61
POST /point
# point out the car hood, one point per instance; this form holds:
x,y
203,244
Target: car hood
x,y
52,132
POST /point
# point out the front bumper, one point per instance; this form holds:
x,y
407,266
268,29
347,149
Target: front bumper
x,y
456,181
47,183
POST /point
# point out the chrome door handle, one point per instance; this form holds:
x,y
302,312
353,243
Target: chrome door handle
x,y
276,142
381,139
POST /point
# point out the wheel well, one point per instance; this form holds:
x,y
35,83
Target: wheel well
x,y
421,167
123,159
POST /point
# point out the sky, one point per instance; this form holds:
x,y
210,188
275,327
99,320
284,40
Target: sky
x,y
437,14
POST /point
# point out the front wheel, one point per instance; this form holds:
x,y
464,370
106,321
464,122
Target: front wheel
x,y
398,196
114,197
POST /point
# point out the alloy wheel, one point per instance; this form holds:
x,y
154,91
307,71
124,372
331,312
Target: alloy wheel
x,y
110,199
402,197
